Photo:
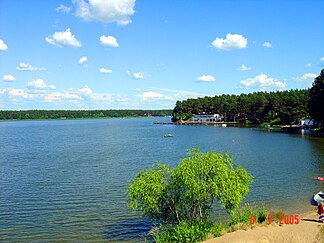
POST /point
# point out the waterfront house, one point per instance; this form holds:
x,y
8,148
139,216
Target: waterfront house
x,y
306,122
203,118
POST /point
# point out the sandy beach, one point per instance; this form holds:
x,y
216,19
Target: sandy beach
x,y
307,230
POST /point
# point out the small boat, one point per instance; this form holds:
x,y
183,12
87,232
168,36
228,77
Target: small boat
x,y
319,178
168,135
224,125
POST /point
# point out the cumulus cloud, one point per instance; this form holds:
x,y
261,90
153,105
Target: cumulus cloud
x,y
206,78
82,60
8,77
105,70
3,46
55,97
166,96
151,95
85,90
105,11
64,9
108,41
262,82
39,84
64,38
27,67
243,68
138,75
13,93
308,64
232,41
72,95
307,77
267,44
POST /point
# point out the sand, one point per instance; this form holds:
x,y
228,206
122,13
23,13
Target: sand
x,y
307,230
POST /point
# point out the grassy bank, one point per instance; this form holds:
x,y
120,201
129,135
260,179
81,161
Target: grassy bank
x,y
248,216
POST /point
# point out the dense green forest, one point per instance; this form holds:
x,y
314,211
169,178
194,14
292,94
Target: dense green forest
x,y
77,114
281,107
316,102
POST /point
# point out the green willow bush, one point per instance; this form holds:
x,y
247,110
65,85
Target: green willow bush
x,y
184,195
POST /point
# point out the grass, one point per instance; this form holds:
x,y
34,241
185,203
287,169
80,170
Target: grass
x,y
246,217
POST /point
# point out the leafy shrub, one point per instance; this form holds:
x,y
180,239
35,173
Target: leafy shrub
x,y
183,232
243,215
182,197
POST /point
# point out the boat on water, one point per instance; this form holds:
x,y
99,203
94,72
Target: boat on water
x,y
168,135
224,125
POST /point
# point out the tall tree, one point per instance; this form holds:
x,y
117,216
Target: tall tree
x,y
316,103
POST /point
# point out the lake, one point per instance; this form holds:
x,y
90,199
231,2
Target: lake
x,y
65,180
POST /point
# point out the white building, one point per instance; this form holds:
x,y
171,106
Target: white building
x,y
207,118
306,122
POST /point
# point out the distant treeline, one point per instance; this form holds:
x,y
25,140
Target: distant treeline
x,y
281,107
77,114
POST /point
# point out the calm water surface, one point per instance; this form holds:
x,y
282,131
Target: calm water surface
x,y
66,180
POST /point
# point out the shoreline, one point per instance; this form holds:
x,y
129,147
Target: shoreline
x,y
308,229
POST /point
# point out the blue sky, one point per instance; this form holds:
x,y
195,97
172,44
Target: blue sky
x,y
144,54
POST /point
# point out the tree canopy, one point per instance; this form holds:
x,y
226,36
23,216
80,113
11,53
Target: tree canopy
x,y
77,114
187,192
316,103
280,107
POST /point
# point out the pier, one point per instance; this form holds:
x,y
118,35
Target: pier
x,y
196,123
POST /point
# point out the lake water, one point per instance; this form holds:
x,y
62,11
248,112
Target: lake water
x,y
65,180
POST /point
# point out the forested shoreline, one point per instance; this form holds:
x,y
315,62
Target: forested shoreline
x,y
77,114
280,107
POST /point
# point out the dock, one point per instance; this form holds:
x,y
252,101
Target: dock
x,y
196,123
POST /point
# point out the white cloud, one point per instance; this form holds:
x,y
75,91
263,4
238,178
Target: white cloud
x,y
108,41
174,94
71,96
262,82
55,97
8,77
64,38
19,93
105,11
85,90
267,44
83,60
308,64
3,46
39,84
307,77
243,68
64,9
232,41
322,60
105,70
138,75
206,78
27,67
166,96
152,95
